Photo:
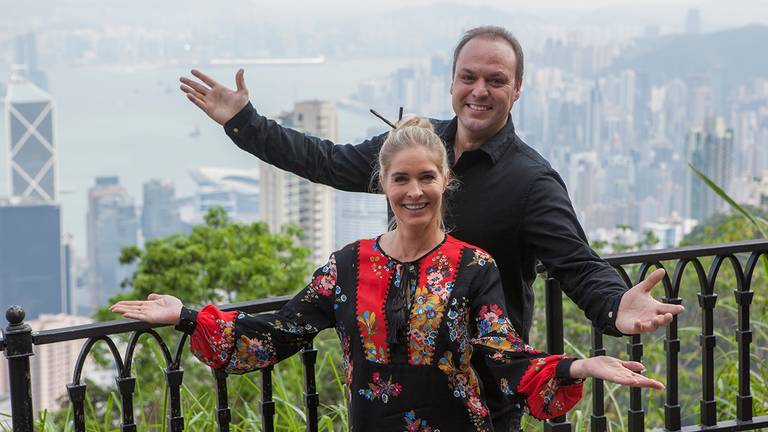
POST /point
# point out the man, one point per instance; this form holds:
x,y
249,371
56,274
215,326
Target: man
x,y
511,202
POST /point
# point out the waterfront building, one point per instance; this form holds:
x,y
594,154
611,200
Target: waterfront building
x,y
111,224
159,215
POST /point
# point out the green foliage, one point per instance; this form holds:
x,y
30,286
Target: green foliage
x,y
219,262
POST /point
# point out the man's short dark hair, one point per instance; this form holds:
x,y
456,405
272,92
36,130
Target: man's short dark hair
x,y
493,33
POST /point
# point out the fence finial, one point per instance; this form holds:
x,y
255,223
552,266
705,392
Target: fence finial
x,y
15,315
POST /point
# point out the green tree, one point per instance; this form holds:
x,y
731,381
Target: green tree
x,y
219,262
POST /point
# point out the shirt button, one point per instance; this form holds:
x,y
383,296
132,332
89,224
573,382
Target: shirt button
x,y
236,130
610,314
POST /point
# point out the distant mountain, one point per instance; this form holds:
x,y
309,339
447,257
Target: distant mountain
x,y
740,53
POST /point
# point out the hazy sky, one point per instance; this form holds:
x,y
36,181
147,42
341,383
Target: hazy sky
x,y
727,11
715,12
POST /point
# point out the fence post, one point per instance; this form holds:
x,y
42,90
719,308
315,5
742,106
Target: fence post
x,y
18,349
553,305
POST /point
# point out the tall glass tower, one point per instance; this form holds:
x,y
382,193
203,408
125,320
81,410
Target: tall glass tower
x,y
31,150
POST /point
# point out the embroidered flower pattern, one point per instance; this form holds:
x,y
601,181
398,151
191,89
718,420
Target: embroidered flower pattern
x,y
424,323
339,298
458,329
495,331
549,395
373,353
380,389
413,424
380,264
428,304
481,258
324,284
505,387
253,353
464,384
294,327
221,341
346,357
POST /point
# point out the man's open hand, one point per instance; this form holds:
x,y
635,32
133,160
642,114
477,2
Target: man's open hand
x,y
641,313
220,102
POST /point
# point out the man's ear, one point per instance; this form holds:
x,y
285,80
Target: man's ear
x,y
450,89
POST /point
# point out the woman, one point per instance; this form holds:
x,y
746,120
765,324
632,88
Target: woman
x,y
420,315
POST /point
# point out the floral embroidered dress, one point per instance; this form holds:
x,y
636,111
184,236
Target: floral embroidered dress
x,y
427,346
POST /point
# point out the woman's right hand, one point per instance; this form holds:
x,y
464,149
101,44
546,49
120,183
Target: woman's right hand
x,y
156,309
613,370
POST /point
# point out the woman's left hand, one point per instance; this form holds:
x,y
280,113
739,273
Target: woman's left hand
x,y
157,309
614,370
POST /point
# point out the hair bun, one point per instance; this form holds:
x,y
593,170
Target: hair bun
x,y
414,121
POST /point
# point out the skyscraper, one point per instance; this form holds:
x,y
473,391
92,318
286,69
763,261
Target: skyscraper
x,y
693,21
111,225
594,119
159,215
31,140
286,198
711,151
26,58
31,261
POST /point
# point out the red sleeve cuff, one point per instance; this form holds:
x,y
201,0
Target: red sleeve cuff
x,y
214,336
547,395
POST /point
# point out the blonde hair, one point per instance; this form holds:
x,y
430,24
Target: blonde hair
x,y
415,132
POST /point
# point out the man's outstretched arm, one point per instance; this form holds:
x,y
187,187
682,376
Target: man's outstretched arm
x,y
552,230
345,167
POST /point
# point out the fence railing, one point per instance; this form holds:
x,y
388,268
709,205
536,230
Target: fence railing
x,y
744,257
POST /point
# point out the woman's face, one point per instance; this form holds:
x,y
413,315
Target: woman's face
x,y
414,187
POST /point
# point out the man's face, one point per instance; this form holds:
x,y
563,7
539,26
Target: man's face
x,y
484,86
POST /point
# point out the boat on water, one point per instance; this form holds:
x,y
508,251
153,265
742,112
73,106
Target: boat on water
x,y
268,61
194,133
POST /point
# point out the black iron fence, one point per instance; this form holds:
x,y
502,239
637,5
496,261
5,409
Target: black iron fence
x,y
744,257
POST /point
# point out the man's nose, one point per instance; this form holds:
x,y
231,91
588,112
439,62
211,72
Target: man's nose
x,y
480,89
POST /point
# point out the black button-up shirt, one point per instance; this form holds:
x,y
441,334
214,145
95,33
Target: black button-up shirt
x,y
510,202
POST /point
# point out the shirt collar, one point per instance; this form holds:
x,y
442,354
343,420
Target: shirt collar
x,y
494,147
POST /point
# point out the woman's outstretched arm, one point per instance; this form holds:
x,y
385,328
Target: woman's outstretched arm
x,y
241,342
550,384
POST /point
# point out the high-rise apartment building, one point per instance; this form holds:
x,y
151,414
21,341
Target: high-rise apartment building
x,y
711,151
31,264
111,225
159,214
286,198
31,150
359,215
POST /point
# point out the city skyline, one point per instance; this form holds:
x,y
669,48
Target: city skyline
x,y
616,124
